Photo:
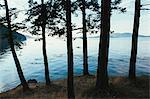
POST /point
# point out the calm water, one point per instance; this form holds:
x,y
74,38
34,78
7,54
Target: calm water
x,y
32,60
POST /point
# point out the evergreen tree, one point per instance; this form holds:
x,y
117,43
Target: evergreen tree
x,y
102,75
11,43
70,50
46,16
91,22
132,67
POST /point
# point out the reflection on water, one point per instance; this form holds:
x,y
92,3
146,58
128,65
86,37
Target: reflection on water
x,y
32,60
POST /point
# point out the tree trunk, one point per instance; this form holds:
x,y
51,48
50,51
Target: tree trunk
x,y
70,51
44,14
85,53
102,75
132,68
47,78
11,43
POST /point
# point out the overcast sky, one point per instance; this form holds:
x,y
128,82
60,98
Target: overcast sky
x,y
119,22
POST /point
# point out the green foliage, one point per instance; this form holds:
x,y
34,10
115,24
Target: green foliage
x,y
2,6
13,14
115,6
93,12
54,17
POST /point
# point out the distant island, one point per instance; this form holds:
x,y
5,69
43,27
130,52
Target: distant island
x,y
4,37
4,33
117,35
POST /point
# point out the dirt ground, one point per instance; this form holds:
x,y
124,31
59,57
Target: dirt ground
x,y
120,88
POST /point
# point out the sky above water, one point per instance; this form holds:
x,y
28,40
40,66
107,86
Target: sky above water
x,y
119,22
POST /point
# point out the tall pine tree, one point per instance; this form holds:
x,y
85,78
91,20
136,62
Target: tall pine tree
x,y
102,74
132,67
11,42
70,50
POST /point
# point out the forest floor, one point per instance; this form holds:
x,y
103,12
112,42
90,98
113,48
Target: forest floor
x,y
120,87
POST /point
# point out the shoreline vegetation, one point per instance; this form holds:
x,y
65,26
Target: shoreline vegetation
x,y
56,18
119,87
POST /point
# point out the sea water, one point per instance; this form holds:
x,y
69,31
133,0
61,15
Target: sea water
x,y
31,59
